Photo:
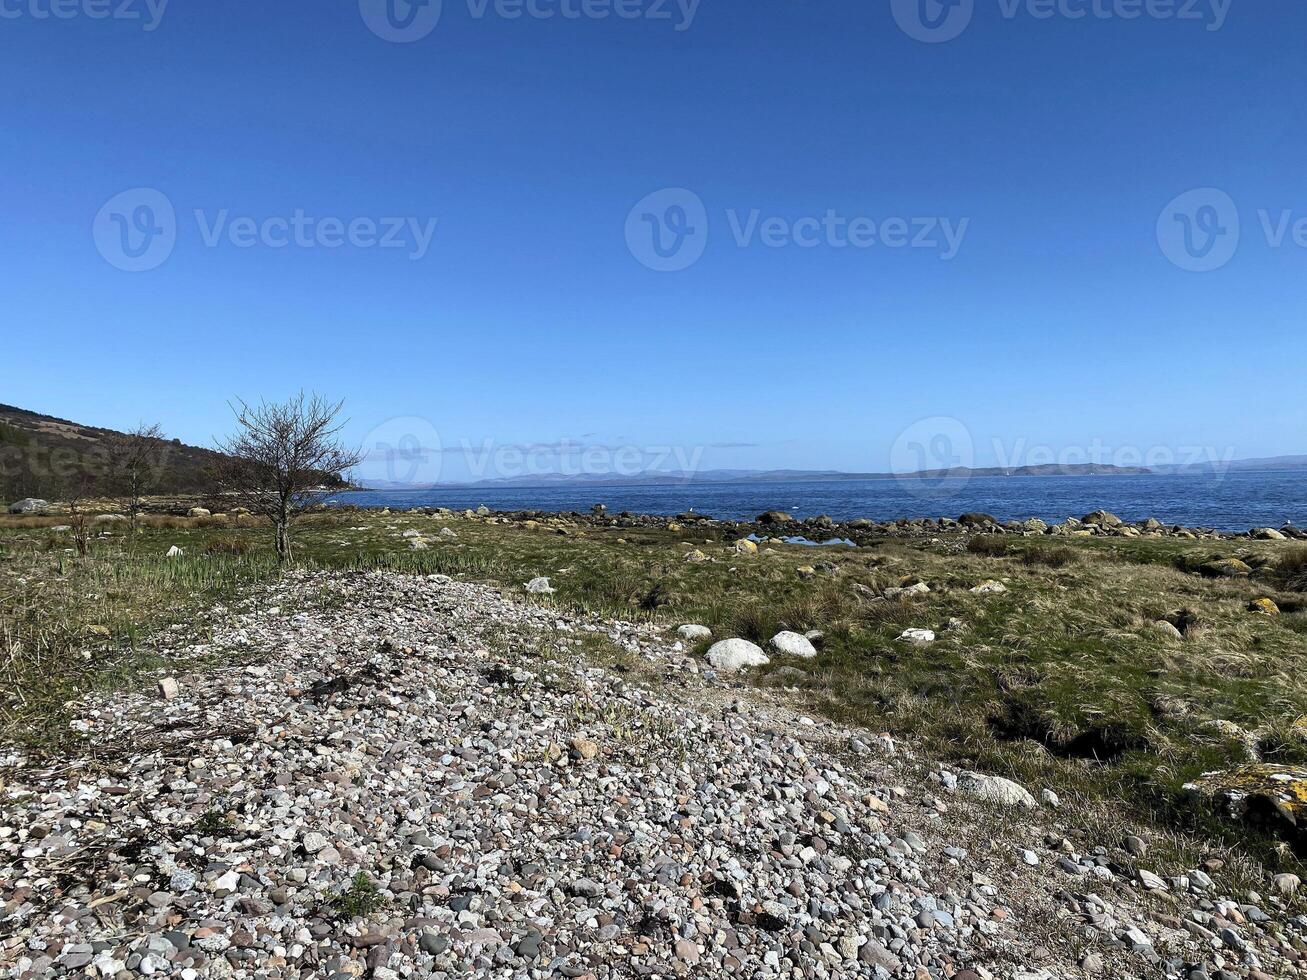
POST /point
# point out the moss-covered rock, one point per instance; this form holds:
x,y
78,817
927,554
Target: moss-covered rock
x,y
1260,796
1265,606
1226,568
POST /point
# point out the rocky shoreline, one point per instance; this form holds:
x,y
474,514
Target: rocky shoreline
x,y
410,776
779,524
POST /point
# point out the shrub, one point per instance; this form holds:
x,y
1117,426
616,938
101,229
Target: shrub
x,y
1051,557
987,544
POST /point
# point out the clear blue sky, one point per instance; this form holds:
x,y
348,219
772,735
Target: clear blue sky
x,y
530,319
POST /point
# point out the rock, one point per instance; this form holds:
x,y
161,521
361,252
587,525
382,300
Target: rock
x,y
793,644
448,533
1265,606
696,557
1050,799
1101,518
736,654
1226,568
693,632
1150,881
805,571
28,505
774,517
1168,630
907,591
990,587
198,512
1136,845
169,689
1267,534
175,552
746,547
995,789
977,519
1258,793
313,842
1286,883
874,954
918,637
540,586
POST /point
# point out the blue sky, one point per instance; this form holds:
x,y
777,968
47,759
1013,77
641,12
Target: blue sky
x,y
1066,313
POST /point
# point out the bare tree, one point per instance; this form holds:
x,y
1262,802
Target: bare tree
x,y
281,456
136,461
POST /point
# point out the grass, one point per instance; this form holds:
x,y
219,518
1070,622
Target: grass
x,y
1063,680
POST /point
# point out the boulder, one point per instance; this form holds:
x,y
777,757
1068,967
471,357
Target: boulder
x,y
990,587
736,654
746,547
540,586
175,552
976,518
793,644
918,637
1267,534
908,591
1168,629
1258,794
774,517
1265,606
1101,518
28,505
995,789
198,512
1225,568
693,632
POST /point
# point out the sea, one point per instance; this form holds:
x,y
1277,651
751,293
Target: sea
x,y
1235,501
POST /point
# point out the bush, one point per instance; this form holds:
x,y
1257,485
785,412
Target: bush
x,y
987,544
1051,557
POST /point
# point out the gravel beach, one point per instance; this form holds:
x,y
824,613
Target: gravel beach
x,y
415,776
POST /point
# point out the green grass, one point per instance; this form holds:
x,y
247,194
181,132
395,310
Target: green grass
x,y
1063,680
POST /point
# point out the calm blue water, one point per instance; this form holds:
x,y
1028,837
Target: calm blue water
x,y
1235,502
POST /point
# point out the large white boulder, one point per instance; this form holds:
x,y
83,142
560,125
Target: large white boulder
x,y
736,654
793,644
995,789
28,505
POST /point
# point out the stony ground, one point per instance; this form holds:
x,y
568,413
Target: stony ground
x,y
412,776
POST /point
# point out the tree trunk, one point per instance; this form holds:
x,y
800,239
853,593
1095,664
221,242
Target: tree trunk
x,y
283,542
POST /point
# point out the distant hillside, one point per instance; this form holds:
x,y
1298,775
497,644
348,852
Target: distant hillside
x,y
40,454
654,477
